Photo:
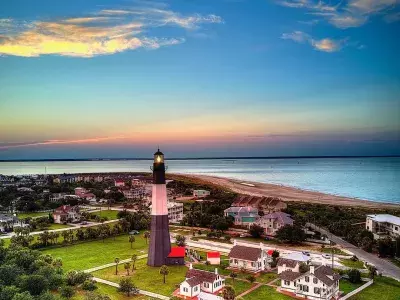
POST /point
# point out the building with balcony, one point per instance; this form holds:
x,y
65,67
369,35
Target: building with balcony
x,y
244,216
383,225
274,221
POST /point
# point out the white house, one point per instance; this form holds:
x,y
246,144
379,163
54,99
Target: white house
x,y
198,281
200,193
383,225
248,258
319,283
285,264
66,213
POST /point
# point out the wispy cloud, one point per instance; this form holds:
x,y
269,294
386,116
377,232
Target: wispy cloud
x,y
345,13
105,32
325,44
6,146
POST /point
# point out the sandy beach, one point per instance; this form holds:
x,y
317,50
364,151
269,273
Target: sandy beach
x,y
287,193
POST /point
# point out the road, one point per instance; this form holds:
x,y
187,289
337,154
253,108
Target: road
x,y
382,265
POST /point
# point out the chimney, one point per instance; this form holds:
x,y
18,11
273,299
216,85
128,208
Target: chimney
x,y
284,267
216,271
312,269
234,242
191,266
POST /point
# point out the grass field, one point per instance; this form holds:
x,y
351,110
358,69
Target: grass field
x,y
347,287
221,271
239,285
147,278
383,288
266,292
267,277
335,251
55,226
109,214
32,215
352,264
96,253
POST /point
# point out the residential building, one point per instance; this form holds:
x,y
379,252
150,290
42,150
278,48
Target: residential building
x,y
214,258
119,182
80,191
285,264
175,211
245,216
318,283
7,222
265,204
200,193
248,258
199,281
136,193
66,214
65,178
24,189
274,221
383,225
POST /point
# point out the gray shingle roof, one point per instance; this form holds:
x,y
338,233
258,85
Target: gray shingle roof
x,y
246,253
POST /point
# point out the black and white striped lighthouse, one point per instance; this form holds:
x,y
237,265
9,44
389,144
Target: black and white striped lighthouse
x,y
160,243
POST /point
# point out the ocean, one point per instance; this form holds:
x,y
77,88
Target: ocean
x,y
375,179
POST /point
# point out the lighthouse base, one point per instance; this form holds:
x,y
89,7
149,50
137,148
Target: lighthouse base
x,y
160,243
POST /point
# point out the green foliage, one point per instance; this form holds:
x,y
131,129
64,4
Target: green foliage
x,y
303,268
23,296
256,231
275,254
180,240
67,292
228,293
354,276
34,284
251,278
74,278
164,271
126,286
94,296
291,234
89,285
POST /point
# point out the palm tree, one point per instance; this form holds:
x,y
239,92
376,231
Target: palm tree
x,y
127,266
146,235
133,259
228,293
116,260
164,271
131,240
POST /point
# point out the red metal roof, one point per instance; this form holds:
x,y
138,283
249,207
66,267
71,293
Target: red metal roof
x,y
177,252
213,255
269,252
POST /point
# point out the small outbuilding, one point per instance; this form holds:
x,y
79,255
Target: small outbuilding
x,y
176,256
214,258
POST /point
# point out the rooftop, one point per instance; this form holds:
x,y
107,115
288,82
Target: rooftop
x,y
385,218
246,253
282,217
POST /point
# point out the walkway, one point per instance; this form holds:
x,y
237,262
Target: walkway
x,y
146,293
112,264
387,268
250,290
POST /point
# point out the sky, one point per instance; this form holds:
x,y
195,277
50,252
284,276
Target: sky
x,y
199,78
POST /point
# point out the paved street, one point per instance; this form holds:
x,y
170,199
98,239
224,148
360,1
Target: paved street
x,y
382,265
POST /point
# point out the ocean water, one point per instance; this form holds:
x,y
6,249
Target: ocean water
x,y
376,179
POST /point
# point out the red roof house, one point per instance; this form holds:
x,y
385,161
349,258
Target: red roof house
x,y
214,258
176,256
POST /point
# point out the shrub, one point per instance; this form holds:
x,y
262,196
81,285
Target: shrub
x,y
89,285
67,292
354,276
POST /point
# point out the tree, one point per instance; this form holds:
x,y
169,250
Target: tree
x,y
132,239
372,271
126,286
291,234
67,292
180,240
251,278
303,268
354,276
127,267
228,293
256,231
133,259
164,271
233,275
275,254
146,236
34,284
23,296
116,260
89,285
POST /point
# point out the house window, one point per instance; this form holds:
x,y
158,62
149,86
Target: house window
x,y
195,289
185,290
206,285
231,260
287,282
317,290
253,264
236,261
305,288
315,280
307,279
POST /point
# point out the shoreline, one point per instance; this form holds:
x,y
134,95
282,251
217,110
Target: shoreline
x,y
287,193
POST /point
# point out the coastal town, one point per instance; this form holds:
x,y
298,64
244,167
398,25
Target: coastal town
x,y
167,236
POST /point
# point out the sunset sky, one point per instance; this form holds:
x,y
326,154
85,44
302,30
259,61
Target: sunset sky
x,y
112,78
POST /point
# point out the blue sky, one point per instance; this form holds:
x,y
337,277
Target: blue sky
x,y
200,78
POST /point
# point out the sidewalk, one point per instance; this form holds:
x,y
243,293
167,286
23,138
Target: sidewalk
x,y
112,264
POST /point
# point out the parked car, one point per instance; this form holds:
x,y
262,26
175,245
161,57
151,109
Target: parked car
x,y
133,232
306,253
84,223
244,235
327,256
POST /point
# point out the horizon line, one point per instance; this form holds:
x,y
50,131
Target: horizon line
x,y
202,158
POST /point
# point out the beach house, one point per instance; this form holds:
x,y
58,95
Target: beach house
x,y
319,282
274,221
199,281
383,225
250,259
245,216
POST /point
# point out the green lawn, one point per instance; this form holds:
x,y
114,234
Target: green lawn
x,y
96,253
109,214
395,261
352,264
111,292
147,278
55,226
347,287
221,271
266,292
335,251
267,277
32,214
239,285
383,288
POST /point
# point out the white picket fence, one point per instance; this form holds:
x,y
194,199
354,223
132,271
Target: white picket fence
x,y
356,291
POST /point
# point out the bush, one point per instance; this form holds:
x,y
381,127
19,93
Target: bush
x,y
89,285
74,278
354,276
303,268
67,292
256,231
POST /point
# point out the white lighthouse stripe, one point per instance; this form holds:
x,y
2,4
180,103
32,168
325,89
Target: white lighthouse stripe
x,y
159,200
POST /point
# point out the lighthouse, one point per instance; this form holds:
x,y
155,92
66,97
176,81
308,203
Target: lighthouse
x,y
160,243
